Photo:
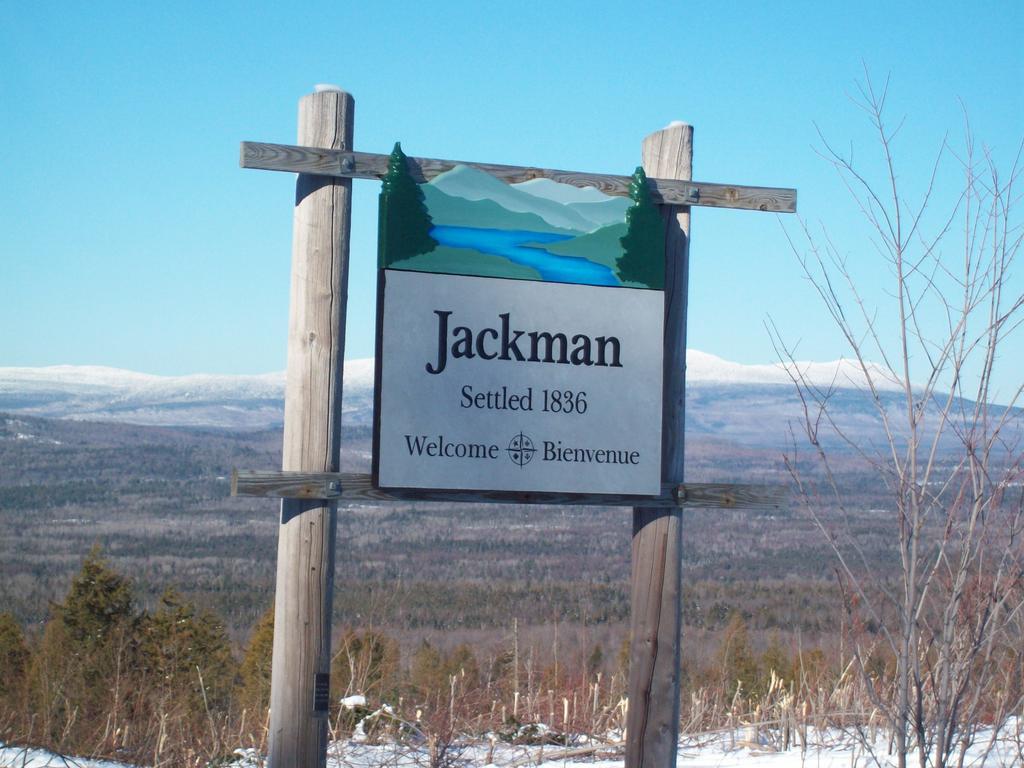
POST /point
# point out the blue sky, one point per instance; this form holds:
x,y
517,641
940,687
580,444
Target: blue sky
x,y
131,238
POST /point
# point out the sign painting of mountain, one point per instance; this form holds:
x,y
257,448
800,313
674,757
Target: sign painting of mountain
x,y
467,222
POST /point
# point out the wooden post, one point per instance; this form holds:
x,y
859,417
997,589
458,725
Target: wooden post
x,y
312,442
652,721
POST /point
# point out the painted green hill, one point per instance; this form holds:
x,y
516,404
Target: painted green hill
x,y
466,261
473,185
602,246
558,192
604,213
459,212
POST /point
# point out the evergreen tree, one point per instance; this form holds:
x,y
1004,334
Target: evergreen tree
x,y
622,658
366,663
776,659
736,660
502,669
99,601
462,663
403,220
428,675
595,661
14,659
814,668
643,246
255,668
187,657
80,679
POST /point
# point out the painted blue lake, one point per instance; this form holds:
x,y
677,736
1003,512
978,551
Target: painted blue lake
x,y
510,244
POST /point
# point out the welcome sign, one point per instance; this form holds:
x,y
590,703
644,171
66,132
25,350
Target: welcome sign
x,y
519,340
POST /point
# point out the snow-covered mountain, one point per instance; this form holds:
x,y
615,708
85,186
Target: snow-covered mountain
x,y
559,205
748,403
703,368
97,393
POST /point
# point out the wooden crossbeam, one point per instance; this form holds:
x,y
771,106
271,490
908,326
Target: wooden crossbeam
x,y
358,488
365,165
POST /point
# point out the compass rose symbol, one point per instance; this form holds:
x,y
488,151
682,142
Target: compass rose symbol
x,y
520,450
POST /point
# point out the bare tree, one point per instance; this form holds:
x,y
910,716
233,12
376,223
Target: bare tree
x,y
950,462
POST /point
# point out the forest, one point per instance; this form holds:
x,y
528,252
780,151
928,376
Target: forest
x,y
124,558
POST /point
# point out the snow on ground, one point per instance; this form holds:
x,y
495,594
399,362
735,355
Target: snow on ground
x,y
18,757
834,749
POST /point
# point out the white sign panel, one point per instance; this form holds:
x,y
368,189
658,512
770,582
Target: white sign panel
x,y
514,385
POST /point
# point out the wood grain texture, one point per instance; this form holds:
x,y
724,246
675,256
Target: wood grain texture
x,y
652,721
312,439
365,165
355,488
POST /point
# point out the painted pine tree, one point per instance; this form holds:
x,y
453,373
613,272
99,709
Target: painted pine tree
x,y
643,246
403,220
